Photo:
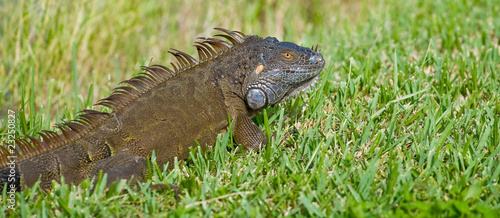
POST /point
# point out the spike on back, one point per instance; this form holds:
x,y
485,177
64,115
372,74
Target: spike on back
x,y
87,120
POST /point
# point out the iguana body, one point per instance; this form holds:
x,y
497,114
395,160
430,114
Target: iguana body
x,y
169,111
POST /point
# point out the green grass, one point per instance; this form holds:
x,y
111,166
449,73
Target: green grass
x,y
405,121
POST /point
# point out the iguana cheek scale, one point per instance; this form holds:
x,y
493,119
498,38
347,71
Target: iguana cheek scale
x,y
170,110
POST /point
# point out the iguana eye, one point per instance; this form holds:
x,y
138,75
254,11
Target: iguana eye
x,y
287,55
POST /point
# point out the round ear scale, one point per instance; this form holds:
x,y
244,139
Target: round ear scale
x,y
256,98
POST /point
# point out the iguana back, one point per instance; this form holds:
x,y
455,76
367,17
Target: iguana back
x,y
169,111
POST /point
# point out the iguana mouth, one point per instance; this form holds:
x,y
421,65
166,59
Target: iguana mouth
x,y
305,69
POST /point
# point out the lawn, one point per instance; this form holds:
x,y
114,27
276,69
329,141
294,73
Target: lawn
x,y
405,121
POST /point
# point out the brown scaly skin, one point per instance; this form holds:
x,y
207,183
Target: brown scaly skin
x,y
169,111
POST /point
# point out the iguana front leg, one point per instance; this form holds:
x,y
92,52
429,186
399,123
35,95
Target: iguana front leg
x,y
247,133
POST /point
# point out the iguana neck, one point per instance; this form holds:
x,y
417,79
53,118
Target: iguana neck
x,y
232,69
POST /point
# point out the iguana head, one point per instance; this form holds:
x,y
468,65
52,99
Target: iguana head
x,y
284,69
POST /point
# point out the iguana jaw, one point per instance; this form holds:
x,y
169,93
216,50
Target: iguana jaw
x,y
303,87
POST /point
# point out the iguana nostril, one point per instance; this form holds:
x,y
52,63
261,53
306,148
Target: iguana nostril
x,y
319,58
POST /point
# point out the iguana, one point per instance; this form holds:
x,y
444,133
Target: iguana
x,y
168,111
